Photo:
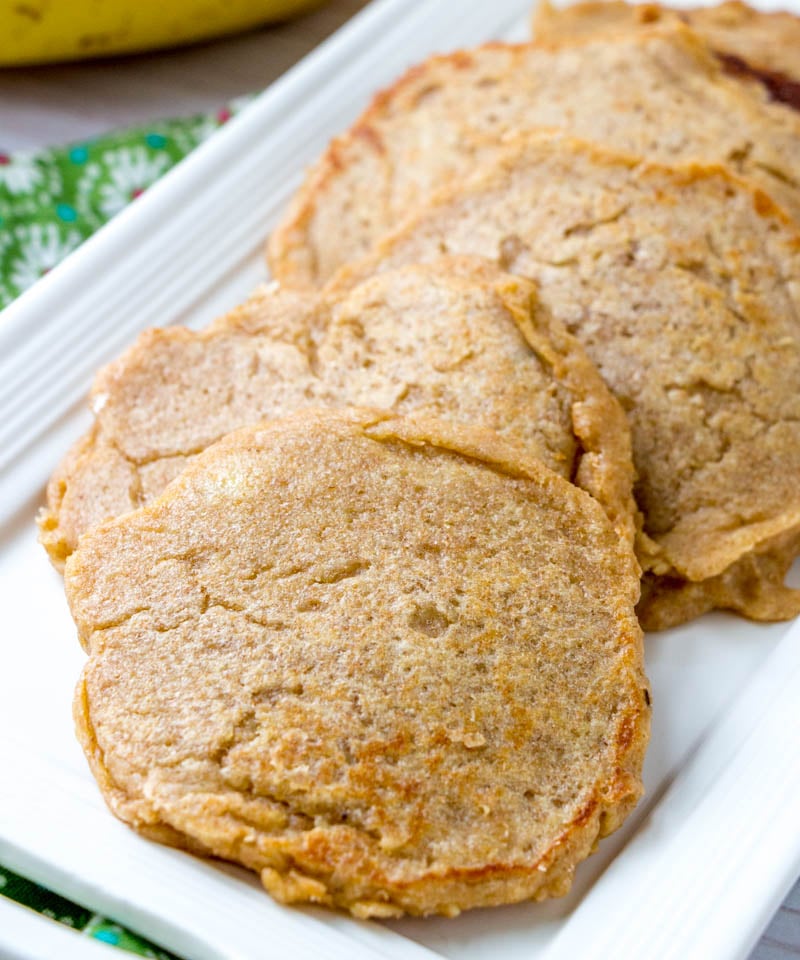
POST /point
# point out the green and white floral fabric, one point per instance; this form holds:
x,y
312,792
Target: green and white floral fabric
x,y
88,924
50,202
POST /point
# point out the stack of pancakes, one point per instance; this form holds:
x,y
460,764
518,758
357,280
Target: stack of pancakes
x,y
362,568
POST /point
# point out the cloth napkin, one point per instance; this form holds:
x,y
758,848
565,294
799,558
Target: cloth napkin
x,y
50,202
88,924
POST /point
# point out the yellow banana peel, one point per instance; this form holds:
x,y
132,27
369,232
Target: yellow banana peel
x,y
42,31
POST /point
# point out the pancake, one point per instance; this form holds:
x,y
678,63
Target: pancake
x,y
456,339
656,93
383,662
764,45
169,396
682,284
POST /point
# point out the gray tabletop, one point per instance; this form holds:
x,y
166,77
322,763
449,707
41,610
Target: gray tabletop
x,y
52,105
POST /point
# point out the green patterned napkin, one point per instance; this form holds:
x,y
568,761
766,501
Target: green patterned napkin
x,y
84,921
50,201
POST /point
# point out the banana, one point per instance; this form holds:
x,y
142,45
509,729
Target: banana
x,y
41,31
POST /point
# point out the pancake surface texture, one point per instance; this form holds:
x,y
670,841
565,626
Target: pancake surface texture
x,y
683,286
743,37
383,662
456,339
657,93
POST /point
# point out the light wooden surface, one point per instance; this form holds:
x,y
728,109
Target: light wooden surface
x,y
53,105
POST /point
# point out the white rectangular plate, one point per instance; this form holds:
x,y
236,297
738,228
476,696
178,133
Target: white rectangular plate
x,y
709,854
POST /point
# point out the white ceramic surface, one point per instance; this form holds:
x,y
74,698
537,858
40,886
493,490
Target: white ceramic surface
x,y
722,773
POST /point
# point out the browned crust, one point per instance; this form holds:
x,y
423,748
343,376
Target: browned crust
x,y
683,174
680,599
310,877
781,87
449,891
137,814
605,469
60,526
290,254
54,536
304,870
753,587
741,56
74,493
78,497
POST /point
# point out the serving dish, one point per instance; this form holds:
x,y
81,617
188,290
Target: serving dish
x,y
711,851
